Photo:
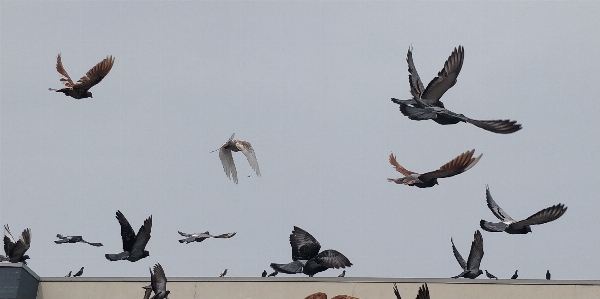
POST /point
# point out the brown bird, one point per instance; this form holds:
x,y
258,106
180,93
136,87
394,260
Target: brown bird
x,y
318,295
80,89
227,159
458,165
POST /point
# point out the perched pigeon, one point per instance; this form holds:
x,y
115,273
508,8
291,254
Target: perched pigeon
x,y
227,159
273,274
515,275
490,275
199,237
471,266
80,89
426,103
306,257
511,226
15,250
264,274
69,275
133,245
158,281
343,274
79,273
73,239
458,165
547,274
223,273
422,294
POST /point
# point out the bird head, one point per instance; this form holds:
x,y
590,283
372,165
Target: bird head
x,y
146,253
480,272
528,229
25,257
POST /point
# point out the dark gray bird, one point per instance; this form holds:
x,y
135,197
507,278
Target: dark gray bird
x,y
264,274
15,250
490,275
422,294
79,273
460,164
199,237
158,283
426,103
511,226
343,274
133,245
148,289
515,275
471,266
306,257
227,158
273,274
68,275
547,274
223,273
74,239
80,89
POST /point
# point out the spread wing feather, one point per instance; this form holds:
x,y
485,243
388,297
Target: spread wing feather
x,y
127,232
304,245
96,74
399,167
446,77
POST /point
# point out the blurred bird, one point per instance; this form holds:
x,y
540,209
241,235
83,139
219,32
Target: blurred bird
x,y
73,239
343,274
490,275
80,89
511,226
318,295
15,250
158,281
426,103
343,297
147,290
515,275
264,274
227,159
223,273
547,274
458,165
68,275
133,245
423,292
79,273
273,274
306,257
471,266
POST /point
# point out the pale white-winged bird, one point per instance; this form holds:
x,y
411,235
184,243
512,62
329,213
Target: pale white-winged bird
x,y
511,226
425,103
306,256
158,284
74,239
80,89
199,237
227,158
460,164
471,266
79,273
133,245
423,292
15,250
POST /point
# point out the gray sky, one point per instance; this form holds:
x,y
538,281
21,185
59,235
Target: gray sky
x,y
309,85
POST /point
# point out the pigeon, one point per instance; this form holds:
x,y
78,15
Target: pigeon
x,y
80,89
264,274
15,250
511,226
471,267
343,274
273,274
306,257
422,294
490,275
133,245
158,283
223,273
79,273
460,164
199,237
547,274
425,103
74,239
515,275
227,159
69,275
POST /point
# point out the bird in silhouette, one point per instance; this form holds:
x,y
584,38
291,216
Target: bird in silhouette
x,y
460,164
423,292
81,89
223,273
306,256
264,273
511,226
425,103
68,275
515,275
15,250
79,273
74,239
343,274
158,283
133,245
490,275
471,266
227,159
547,274
273,274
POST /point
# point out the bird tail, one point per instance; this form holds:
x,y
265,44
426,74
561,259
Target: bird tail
x,y
182,241
52,89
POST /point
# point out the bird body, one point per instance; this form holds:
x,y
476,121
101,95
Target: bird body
x,y
15,250
514,276
226,157
273,274
80,89
343,274
79,273
223,273
74,239
264,273
69,275
133,245
471,266
547,274
490,275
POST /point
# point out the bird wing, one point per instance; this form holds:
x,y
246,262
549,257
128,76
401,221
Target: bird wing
x,y
289,268
184,234
423,292
418,113
460,164
458,257
495,208
147,292
65,79
226,236
304,245
332,259
445,79
9,241
546,215
500,126
396,292
127,232
96,74
228,164
492,227
476,253
143,235
159,279
399,167
416,86
246,148
22,245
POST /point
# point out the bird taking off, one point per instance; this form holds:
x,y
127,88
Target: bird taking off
x,y
80,89
158,283
15,250
133,245
471,266
227,159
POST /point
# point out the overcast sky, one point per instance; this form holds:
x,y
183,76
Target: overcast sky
x,y
309,85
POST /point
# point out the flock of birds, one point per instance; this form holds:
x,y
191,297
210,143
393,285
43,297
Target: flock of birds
x,y
307,256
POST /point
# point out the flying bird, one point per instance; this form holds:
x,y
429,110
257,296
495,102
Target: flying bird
x,y
73,239
460,164
69,275
158,282
490,275
273,274
199,237
15,250
515,275
343,274
223,273
425,103
133,245
423,292
227,159
264,273
306,257
81,89
471,266
547,274
79,273
511,226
